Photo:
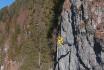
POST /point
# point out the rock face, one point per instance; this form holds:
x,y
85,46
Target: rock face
x,y
82,28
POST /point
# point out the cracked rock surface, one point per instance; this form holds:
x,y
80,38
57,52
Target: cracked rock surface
x,y
82,27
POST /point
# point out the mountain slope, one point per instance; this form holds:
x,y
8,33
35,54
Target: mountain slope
x,y
23,35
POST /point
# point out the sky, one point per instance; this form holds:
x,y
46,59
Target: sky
x,y
4,3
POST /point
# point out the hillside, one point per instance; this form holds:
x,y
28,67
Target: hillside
x,y
25,35
52,35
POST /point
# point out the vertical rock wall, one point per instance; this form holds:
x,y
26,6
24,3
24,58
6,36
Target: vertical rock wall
x,y
82,29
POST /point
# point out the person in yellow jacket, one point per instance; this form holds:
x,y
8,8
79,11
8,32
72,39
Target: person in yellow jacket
x,y
60,40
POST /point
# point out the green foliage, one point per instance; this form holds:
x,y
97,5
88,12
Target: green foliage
x,y
32,33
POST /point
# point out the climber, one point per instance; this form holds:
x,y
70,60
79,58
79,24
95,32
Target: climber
x,y
59,40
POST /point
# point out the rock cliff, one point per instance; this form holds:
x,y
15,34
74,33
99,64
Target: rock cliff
x,y
82,30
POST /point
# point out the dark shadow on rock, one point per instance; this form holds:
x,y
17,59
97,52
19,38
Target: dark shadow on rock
x,y
75,32
55,19
54,27
97,49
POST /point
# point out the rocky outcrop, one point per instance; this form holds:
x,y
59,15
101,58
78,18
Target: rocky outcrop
x,y
82,29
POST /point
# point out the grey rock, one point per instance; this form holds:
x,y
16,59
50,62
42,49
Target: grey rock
x,y
82,49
